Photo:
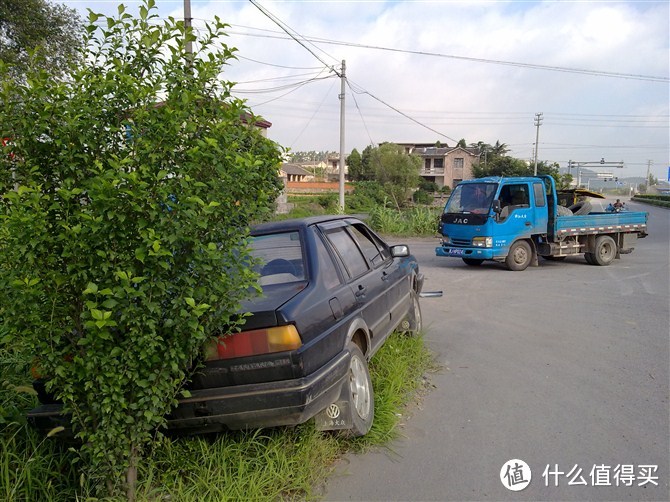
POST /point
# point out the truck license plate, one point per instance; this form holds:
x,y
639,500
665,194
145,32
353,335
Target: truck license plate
x,y
455,252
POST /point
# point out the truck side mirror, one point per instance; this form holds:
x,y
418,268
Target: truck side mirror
x,y
496,206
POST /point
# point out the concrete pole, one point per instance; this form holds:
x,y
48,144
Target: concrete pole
x,y
187,30
538,122
343,81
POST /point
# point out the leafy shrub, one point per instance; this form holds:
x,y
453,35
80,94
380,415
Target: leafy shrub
x,y
124,244
421,197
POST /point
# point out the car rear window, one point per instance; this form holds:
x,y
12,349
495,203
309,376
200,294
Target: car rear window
x,y
280,256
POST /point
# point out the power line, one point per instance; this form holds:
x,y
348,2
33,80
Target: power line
x,y
598,73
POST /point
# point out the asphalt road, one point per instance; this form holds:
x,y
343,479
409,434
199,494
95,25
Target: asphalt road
x,y
563,366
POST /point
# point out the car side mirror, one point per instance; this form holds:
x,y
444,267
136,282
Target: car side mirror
x,y
399,251
496,206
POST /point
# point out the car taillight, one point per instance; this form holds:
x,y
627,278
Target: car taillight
x,y
254,342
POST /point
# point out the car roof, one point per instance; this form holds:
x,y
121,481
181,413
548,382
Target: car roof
x,y
296,223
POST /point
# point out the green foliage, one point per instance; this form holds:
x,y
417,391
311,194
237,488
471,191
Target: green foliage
x,y
417,221
277,464
124,212
422,197
329,201
501,166
40,35
355,165
396,171
366,195
428,186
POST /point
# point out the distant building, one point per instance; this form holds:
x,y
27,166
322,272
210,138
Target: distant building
x,y
444,165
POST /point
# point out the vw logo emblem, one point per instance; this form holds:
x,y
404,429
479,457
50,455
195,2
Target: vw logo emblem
x,y
333,411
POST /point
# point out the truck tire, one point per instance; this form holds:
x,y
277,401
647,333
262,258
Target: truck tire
x,y
589,258
605,251
582,207
519,257
472,262
360,395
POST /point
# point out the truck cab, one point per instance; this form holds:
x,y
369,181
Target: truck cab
x,y
495,219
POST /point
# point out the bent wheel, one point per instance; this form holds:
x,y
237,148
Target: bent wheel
x,y
360,396
413,321
519,257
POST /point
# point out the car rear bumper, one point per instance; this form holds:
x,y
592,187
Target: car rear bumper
x,y
287,402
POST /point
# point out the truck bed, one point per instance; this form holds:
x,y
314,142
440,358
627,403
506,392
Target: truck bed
x,y
601,223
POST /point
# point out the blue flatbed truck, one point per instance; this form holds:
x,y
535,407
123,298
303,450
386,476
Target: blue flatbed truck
x,y
517,219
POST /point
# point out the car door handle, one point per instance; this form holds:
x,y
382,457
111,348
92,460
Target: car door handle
x,y
361,291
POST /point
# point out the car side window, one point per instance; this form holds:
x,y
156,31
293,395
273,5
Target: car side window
x,y
327,269
376,252
346,248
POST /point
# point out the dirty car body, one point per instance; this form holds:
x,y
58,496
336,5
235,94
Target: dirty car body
x,y
330,288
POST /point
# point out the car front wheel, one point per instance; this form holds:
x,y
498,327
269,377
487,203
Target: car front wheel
x,y
361,397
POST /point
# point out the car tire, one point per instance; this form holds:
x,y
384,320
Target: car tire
x,y
605,251
412,324
359,393
519,257
472,262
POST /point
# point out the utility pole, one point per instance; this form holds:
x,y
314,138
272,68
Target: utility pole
x,y
187,30
538,122
341,96
646,181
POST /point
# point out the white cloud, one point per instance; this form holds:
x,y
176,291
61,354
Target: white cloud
x,y
626,119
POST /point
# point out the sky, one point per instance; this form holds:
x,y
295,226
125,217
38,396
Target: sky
x,y
428,71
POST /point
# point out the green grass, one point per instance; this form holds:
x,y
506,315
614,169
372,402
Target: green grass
x,y
271,464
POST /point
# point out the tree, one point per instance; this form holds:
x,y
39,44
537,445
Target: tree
x,y
355,163
397,172
36,33
501,166
125,198
461,143
367,170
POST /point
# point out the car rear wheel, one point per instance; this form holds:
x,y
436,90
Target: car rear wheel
x,y
361,397
413,322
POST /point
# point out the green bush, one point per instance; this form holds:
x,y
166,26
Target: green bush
x,y
428,186
421,197
124,242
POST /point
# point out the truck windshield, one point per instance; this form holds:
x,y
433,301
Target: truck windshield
x,y
471,198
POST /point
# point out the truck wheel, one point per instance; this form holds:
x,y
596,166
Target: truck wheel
x,y
473,262
519,257
589,258
605,250
360,395
413,322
